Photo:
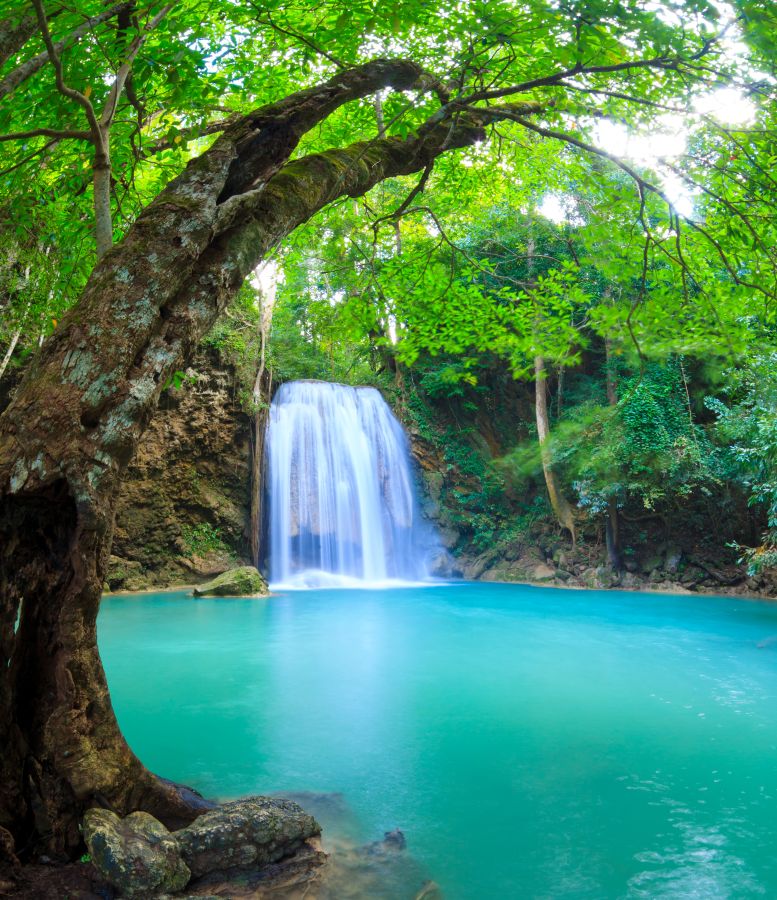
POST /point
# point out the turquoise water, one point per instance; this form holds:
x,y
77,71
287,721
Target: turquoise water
x,y
529,742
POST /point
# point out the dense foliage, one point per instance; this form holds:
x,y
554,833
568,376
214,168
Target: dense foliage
x,y
651,289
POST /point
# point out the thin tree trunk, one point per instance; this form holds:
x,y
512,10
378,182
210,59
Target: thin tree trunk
x,y
75,422
263,391
560,390
9,352
101,185
612,530
18,333
612,535
12,41
558,501
262,394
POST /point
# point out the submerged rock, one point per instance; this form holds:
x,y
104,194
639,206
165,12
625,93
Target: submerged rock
x,y
382,870
137,855
393,842
250,832
241,582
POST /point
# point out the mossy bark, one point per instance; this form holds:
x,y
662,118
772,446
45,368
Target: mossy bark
x,y
76,420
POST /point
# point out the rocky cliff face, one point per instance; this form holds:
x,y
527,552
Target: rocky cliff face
x,y
183,511
182,514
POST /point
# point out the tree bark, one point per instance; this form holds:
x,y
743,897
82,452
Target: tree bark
x,y
558,501
76,419
262,395
612,528
101,185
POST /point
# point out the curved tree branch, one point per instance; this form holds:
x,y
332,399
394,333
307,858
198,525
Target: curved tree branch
x,y
57,133
28,68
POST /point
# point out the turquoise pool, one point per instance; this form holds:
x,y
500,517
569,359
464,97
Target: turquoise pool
x,y
529,742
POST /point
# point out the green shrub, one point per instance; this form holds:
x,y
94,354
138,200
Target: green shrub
x,y
203,538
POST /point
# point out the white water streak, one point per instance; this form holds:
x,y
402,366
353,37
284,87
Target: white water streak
x,y
342,500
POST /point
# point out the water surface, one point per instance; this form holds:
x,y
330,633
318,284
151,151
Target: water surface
x,y
530,742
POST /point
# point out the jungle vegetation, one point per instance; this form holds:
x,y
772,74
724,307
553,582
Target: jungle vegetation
x,y
396,163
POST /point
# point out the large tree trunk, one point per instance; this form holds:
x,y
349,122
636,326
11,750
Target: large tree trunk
x,y
558,501
75,422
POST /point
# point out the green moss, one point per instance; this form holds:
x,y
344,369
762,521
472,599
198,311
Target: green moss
x,y
241,582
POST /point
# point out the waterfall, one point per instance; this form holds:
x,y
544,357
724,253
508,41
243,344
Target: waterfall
x,y
342,504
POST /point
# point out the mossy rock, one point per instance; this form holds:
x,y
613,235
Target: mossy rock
x,y
125,574
243,581
254,831
137,855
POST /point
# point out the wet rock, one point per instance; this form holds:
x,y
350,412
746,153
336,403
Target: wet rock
x,y
543,572
652,563
250,832
243,581
475,568
449,537
433,481
430,508
208,565
674,556
598,577
445,566
630,580
137,855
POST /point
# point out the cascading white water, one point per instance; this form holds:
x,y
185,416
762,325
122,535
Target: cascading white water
x,y
342,505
